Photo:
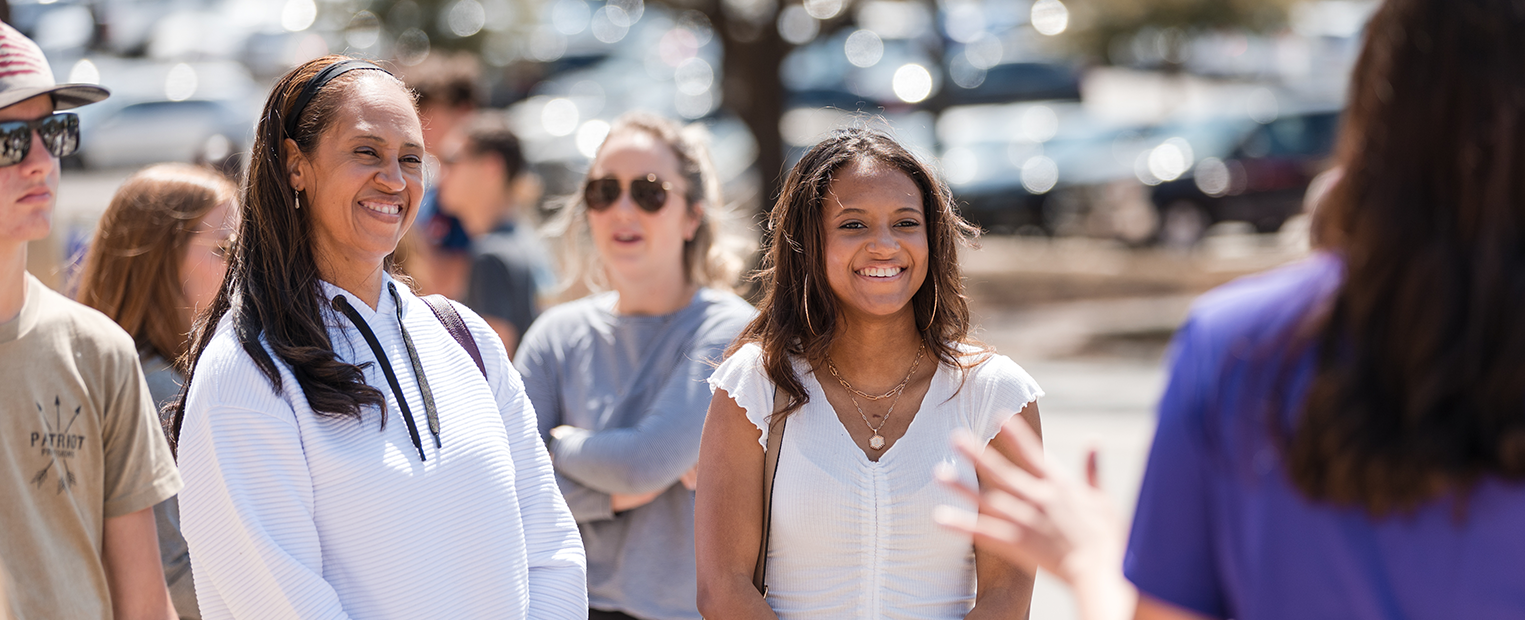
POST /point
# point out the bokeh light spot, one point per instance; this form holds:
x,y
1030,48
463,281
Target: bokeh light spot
x,y
864,48
1040,174
590,136
559,117
912,83
823,9
181,83
1050,17
85,72
298,15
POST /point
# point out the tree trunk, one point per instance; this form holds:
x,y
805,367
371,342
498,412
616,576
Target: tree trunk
x,y
755,92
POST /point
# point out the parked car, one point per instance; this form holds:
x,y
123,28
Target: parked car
x,y
1237,170
1021,81
196,112
198,131
1034,168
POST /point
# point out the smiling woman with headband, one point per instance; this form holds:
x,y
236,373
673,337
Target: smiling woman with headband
x,y
306,495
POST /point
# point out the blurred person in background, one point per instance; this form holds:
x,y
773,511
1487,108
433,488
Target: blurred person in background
x,y
310,491
484,184
862,346
1343,437
438,250
617,378
85,461
158,256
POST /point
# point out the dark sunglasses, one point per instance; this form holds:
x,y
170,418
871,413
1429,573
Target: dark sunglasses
x,y
59,133
649,193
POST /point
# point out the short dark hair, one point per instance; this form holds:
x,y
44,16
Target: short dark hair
x,y
446,80
489,133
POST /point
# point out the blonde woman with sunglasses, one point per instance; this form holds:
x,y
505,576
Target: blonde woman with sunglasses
x,y
618,378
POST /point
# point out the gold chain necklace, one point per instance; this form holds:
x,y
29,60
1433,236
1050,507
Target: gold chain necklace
x,y
833,368
877,441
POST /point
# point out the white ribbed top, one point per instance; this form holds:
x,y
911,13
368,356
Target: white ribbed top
x,y
289,515
854,538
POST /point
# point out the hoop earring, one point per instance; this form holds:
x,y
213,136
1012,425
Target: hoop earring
x,y
296,196
806,305
934,306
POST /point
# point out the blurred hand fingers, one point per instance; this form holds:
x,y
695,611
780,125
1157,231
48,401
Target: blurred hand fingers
x,y
948,475
1093,469
1003,538
996,472
1021,446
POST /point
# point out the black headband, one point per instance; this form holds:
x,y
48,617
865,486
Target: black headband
x,y
317,82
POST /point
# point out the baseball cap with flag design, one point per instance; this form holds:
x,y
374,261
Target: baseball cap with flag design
x,y
24,73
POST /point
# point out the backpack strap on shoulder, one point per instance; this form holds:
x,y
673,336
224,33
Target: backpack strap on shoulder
x,y
445,312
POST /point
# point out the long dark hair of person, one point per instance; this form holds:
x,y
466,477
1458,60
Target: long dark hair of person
x,y
793,269
1420,384
272,287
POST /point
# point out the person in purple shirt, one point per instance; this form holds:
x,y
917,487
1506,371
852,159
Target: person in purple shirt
x,y
1343,437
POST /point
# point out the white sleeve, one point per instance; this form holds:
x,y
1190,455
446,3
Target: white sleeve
x,y
247,507
558,574
1001,390
743,377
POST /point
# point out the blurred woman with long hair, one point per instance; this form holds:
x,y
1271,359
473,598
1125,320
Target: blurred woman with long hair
x,y
861,354
350,449
617,378
158,256
1343,437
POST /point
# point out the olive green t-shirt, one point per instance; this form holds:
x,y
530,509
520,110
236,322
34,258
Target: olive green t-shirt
x,y
79,443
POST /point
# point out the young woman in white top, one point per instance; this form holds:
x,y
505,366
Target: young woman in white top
x,y
864,329
346,455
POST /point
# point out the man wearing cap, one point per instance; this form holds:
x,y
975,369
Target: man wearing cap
x,y
82,459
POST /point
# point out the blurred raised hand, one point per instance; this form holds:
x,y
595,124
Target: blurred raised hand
x,y
1037,517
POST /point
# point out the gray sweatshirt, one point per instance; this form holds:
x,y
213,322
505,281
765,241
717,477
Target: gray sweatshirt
x,y
636,387
164,386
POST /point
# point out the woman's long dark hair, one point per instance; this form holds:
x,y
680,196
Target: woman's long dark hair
x,y
1420,384
793,269
272,287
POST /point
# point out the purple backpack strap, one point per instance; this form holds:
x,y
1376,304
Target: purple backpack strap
x,y
445,312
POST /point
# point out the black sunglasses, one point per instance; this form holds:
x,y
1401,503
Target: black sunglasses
x,y
59,133
649,193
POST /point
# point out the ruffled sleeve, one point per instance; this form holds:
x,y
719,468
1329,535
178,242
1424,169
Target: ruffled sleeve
x,y
743,377
1001,389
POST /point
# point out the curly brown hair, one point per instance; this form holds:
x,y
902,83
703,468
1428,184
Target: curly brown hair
x,y
798,315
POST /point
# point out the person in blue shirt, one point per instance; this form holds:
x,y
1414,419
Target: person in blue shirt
x,y
1343,437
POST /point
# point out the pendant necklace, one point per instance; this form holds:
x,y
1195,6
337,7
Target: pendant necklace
x,y
877,441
